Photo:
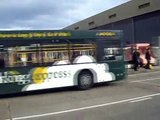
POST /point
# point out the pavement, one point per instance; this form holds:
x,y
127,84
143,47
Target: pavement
x,y
143,70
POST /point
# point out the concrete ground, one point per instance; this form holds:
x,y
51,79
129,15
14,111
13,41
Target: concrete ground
x,y
142,70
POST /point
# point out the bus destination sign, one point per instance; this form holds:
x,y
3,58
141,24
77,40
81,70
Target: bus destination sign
x,y
35,35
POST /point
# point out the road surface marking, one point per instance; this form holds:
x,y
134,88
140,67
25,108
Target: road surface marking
x,y
148,83
83,108
145,80
130,75
139,100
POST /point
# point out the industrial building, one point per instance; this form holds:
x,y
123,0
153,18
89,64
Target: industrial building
x,y
139,20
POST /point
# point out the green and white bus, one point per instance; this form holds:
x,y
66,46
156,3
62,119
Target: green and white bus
x,y
44,59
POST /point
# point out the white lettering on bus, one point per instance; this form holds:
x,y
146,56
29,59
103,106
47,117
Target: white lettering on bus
x,y
27,78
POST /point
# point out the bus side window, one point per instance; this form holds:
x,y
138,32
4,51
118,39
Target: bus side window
x,y
2,64
24,59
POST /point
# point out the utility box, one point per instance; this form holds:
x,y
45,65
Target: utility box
x,y
156,41
156,48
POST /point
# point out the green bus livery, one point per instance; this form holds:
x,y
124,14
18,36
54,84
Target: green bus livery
x,y
44,59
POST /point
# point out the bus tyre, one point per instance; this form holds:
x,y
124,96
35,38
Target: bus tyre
x,y
85,80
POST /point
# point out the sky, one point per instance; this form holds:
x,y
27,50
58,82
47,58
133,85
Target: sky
x,y
49,14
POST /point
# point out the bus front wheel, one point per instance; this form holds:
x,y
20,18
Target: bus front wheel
x,y
85,80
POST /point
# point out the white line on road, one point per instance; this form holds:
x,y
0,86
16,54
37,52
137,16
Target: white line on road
x,y
130,75
83,108
145,80
148,83
139,100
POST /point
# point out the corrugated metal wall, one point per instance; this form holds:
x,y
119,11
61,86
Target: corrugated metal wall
x,y
147,26
137,29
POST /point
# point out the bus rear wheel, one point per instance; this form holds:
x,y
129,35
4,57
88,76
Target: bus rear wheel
x,y
85,80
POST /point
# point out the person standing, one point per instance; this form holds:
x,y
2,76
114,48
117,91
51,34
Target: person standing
x,y
136,59
148,58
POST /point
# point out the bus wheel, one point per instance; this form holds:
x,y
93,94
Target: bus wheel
x,y
85,80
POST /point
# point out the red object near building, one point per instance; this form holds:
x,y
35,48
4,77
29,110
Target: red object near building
x,y
142,49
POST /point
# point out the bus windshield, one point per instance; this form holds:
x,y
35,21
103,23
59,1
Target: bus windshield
x,y
110,50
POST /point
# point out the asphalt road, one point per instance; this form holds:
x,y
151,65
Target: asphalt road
x,y
136,98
